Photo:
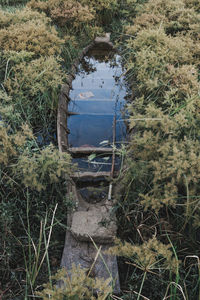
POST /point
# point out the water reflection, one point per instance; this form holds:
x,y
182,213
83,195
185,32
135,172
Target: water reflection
x,y
97,96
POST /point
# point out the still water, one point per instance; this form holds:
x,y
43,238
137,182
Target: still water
x,y
97,97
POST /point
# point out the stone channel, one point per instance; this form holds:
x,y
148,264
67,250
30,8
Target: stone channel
x,y
94,131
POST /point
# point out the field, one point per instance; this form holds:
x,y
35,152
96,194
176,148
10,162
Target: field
x,y
158,203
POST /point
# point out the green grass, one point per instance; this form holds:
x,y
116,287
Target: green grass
x,y
159,191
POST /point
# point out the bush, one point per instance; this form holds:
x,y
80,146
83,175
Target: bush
x,y
31,186
13,2
78,286
21,16
65,13
173,16
160,181
41,169
34,36
34,88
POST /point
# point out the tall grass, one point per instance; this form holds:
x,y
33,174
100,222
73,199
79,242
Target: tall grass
x,y
158,206
162,198
13,2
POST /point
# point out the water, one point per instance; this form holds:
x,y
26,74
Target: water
x,y
97,97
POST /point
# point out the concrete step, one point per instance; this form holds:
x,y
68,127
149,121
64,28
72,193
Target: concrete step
x,y
90,150
90,175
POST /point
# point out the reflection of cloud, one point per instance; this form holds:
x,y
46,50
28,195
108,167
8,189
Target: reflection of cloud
x,y
85,95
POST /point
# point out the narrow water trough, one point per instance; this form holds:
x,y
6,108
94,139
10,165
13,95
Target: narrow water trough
x,y
90,126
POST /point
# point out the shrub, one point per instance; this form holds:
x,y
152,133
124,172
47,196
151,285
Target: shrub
x,y
173,16
148,256
34,87
13,2
164,67
41,169
21,16
193,4
31,179
10,142
65,13
171,157
34,36
79,286
160,181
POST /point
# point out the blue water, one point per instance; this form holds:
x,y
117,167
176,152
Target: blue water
x,y
97,96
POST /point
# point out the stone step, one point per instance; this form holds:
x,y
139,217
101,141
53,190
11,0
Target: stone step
x,y
92,175
95,223
90,150
111,99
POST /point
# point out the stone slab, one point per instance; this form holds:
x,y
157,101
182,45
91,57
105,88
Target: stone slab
x,y
94,223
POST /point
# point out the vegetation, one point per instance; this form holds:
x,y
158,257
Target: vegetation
x,y
162,60
158,208
80,286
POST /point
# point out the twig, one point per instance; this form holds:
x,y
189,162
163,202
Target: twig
x,y
113,158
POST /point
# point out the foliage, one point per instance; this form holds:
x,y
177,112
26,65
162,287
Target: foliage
x,y
33,36
192,4
10,142
76,285
12,2
151,255
167,106
32,180
172,15
33,86
170,154
159,187
39,169
105,9
102,4
70,13
76,22
20,16
160,180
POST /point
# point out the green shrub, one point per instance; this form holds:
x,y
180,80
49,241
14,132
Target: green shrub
x,y
34,36
41,169
171,155
78,286
150,255
20,16
160,182
34,88
13,2
32,181
65,13
173,16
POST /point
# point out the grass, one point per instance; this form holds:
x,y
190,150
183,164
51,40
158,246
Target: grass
x,y
159,190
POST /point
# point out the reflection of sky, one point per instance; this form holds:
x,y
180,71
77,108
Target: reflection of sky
x,y
82,82
97,96
96,107
91,130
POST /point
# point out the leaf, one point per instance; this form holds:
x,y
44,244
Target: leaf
x,y
91,156
104,142
106,158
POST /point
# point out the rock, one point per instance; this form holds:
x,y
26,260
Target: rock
x,y
94,223
103,39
